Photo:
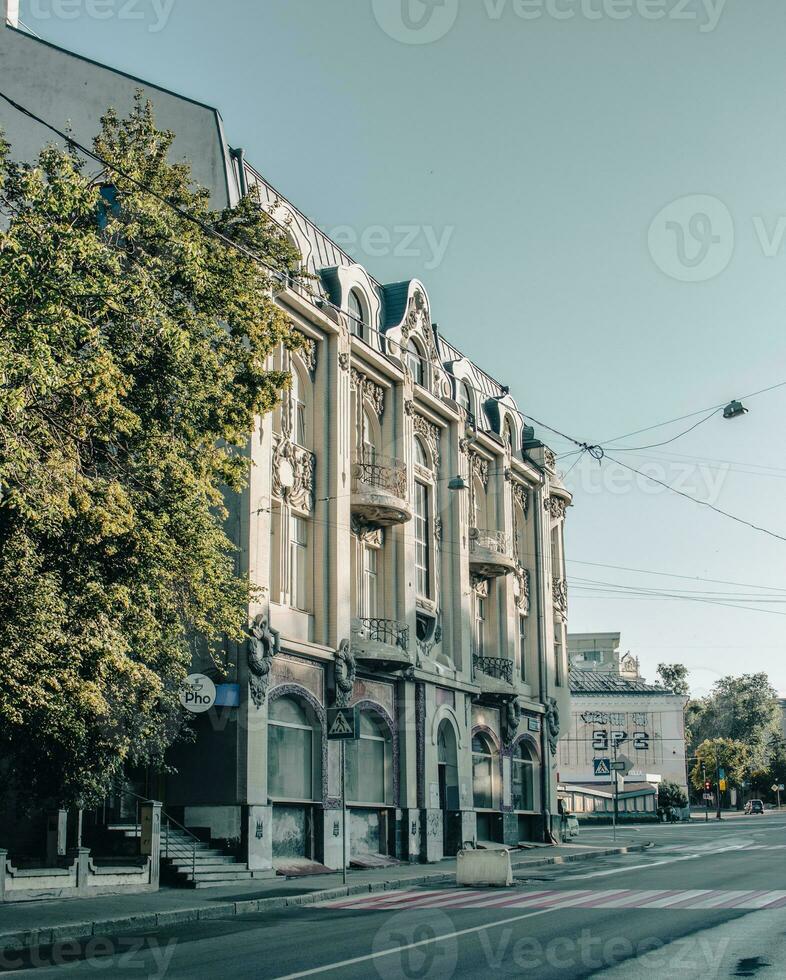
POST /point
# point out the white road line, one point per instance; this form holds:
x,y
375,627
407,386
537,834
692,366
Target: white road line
x,y
633,867
423,942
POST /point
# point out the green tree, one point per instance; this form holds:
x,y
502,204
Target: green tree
x,y
724,753
675,678
670,794
743,709
133,364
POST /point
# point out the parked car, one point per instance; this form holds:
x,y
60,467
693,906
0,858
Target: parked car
x,y
754,806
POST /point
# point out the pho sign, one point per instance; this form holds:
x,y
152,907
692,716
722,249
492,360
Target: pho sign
x,y
197,693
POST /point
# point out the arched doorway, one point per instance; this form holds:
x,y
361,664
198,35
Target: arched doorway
x,y
294,778
447,774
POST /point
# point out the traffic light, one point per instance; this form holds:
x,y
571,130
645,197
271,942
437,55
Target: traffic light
x,y
707,786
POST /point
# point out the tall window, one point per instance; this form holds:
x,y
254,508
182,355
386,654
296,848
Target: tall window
x,y
294,759
369,602
463,398
356,316
369,762
298,409
523,645
484,757
558,654
507,437
422,540
522,778
298,563
480,625
414,361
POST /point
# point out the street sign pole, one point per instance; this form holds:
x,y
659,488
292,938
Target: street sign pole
x,y
343,815
717,782
615,791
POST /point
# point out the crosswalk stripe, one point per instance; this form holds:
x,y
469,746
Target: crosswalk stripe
x,y
485,899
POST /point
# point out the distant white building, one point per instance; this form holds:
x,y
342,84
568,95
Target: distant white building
x,y
611,703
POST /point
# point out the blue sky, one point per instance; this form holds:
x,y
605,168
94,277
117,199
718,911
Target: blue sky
x,y
522,157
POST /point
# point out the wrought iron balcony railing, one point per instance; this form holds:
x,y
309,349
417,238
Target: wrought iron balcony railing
x,y
382,631
494,541
374,472
498,667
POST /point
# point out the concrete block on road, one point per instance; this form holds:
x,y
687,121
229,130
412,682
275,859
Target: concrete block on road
x,y
492,868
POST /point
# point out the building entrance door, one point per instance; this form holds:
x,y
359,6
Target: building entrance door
x,y
447,774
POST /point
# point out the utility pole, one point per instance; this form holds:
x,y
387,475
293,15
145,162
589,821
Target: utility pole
x,y
717,783
704,790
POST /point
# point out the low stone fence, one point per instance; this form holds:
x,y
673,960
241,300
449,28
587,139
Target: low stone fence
x,y
82,877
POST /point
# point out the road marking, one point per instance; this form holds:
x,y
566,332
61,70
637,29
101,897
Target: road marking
x,y
666,900
423,942
632,867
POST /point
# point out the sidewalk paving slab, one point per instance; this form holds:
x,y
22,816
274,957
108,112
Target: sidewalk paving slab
x,y
24,925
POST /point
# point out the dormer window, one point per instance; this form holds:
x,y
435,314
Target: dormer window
x,y
357,318
414,362
463,397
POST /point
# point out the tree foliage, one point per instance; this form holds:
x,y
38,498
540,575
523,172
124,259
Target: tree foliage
x,y
671,794
722,753
675,678
132,366
743,709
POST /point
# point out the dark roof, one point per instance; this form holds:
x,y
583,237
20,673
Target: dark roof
x,y
599,682
603,789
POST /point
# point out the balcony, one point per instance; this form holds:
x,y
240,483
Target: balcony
x,y
382,642
490,553
379,491
494,675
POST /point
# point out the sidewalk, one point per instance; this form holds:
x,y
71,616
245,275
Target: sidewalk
x,y
27,924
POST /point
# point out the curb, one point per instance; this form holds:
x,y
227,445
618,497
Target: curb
x,y
29,939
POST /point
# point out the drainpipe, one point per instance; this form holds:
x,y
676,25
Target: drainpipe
x,y
545,758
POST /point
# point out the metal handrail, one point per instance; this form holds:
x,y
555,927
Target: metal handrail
x,y
187,848
499,667
483,539
380,473
382,631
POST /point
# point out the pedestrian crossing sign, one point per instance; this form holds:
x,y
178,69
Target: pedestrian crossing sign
x,y
602,767
342,723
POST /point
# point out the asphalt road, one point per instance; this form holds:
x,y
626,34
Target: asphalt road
x,y
705,901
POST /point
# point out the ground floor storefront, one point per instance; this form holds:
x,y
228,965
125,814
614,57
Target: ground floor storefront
x,y
433,770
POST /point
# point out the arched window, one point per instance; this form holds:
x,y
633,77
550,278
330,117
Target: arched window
x,y
507,436
422,526
414,361
369,763
463,397
297,399
294,751
357,318
484,766
523,778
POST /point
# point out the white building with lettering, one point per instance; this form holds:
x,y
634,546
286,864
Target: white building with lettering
x,y
611,703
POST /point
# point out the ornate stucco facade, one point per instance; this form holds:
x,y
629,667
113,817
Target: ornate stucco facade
x,y
405,529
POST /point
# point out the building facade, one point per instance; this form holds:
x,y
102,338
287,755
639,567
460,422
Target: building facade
x,y
405,529
612,704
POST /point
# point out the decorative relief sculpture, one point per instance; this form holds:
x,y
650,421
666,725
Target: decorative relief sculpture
x,y
345,674
418,320
427,431
522,589
479,467
521,497
294,472
308,351
556,506
512,719
263,645
369,389
552,724
560,595
550,459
